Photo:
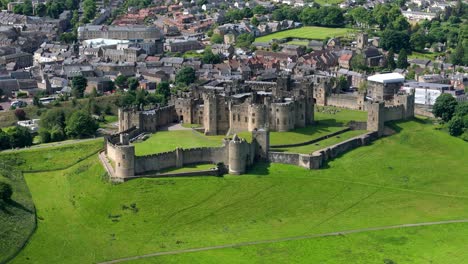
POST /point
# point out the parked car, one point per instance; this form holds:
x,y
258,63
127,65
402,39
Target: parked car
x,y
19,104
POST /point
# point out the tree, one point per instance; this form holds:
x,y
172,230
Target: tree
x,y
418,41
121,81
244,40
20,137
41,10
5,191
79,84
358,62
455,126
68,37
164,90
402,61
216,39
254,21
458,55
133,83
395,39
28,8
81,124
20,114
186,76
4,140
400,23
444,106
342,83
259,10
391,60
209,57
462,109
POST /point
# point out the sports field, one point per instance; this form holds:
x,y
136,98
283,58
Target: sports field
x,y
317,33
414,176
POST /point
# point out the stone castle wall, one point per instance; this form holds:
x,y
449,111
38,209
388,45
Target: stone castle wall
x,y
236,154
317,159
348,101
148,120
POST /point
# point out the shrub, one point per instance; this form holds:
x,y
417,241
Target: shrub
x,y
455,126
20,114
5,191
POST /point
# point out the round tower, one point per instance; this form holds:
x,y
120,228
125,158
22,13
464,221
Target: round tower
x,y
124,161
237,156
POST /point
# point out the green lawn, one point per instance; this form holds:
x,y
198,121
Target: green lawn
x,y
417,175
303,134
189,167
169,140
308,149
338,115
298,42
424,55
318,33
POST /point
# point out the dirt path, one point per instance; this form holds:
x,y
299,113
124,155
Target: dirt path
x,y
339,233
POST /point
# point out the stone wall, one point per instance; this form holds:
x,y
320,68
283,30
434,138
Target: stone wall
x,y
148,120
317,159
349,101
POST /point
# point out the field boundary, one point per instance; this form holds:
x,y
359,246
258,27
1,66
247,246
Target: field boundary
x,y
259,242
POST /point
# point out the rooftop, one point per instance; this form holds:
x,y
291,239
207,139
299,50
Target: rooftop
x,y
387,78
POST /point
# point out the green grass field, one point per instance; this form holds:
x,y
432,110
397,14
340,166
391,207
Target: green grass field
x,y
189,167
317,33
308,149
44,158
416,175
338,115
298,42
17,219
329,2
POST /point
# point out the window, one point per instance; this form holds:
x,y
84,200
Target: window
x,y
245,118
123,156
253,120
253,114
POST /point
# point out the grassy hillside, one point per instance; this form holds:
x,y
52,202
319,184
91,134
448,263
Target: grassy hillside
x,y
318,33
17,218
414,176
307,149
53,158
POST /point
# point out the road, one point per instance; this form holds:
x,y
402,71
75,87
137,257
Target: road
x,y
259,242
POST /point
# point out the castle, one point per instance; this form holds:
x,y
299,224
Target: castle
x,y
233,106
229,107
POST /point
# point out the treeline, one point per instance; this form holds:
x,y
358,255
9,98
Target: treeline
x,y
51,8
17,137
329,16
453,113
